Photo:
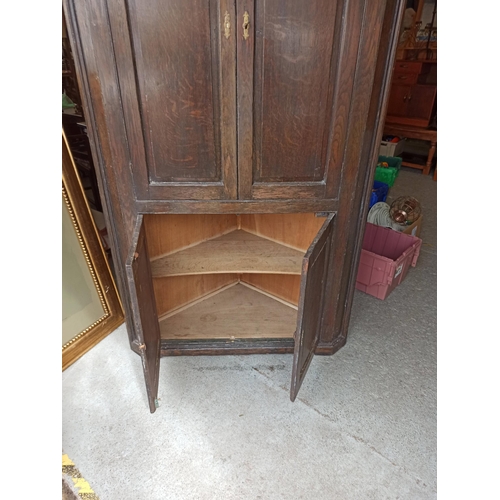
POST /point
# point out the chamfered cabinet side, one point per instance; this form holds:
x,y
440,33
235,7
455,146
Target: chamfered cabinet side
x,y
368,110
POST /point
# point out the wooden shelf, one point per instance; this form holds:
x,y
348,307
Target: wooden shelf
x,y
235,252
237,311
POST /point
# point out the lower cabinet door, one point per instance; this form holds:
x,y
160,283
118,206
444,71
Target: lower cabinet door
x,y
421,103
145,317
398,100
311,304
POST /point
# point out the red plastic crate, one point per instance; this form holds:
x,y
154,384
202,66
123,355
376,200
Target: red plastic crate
x,y
385,260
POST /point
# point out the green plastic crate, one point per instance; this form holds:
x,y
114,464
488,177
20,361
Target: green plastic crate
x,y
392,161
388,174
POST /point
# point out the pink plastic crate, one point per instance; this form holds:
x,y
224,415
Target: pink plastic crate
x,y
385,260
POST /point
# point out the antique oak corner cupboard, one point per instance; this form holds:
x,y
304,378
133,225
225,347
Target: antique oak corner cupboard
x,y
235,141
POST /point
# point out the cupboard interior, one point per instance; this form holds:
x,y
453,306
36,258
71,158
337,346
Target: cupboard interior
x,y
228,276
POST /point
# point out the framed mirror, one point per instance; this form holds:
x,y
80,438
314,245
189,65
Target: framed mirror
x,y
91,308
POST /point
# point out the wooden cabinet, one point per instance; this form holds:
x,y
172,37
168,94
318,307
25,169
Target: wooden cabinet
x,y
413,93
236,141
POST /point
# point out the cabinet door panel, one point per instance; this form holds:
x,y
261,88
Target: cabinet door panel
x,y
145,317
310,314
398,100
295,74
421,102
183,68
293,45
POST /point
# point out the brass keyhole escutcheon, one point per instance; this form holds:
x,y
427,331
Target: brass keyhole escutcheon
x,y
227,25
246,25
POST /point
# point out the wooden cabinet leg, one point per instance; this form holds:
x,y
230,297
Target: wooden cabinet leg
x,y
432,150
435,176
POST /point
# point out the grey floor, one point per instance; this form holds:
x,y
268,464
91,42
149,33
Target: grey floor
x,y
362,427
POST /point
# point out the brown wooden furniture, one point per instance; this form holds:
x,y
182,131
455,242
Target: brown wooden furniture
x,y
416,133
235,141
413,93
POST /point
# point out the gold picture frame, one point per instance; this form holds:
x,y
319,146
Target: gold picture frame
x,y
94,274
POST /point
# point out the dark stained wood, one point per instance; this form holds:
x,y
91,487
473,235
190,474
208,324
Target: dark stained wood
x,y
103,91
179,77
312,82
178,81
244,83
342,277
238,346
332,348
224,347
309,316
227,70
236,207
144,311
289,104
348,138
293,47
93,55
350,20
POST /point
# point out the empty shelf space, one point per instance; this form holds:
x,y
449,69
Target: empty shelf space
x,y
235,312
234,252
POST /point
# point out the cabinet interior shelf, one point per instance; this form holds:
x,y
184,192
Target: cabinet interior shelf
x,y
234,312
235,252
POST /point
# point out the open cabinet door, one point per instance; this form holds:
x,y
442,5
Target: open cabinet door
x,y
309,317
144,311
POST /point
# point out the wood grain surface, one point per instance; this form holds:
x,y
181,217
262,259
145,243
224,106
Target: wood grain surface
x,y
235,252
237,311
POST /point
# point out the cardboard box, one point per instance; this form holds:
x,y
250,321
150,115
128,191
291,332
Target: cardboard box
x,y
415,228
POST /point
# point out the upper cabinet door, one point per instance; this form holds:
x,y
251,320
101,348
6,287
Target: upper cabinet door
x,y
296,61
176,65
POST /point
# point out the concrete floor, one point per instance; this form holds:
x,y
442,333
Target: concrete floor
x,y
362,427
